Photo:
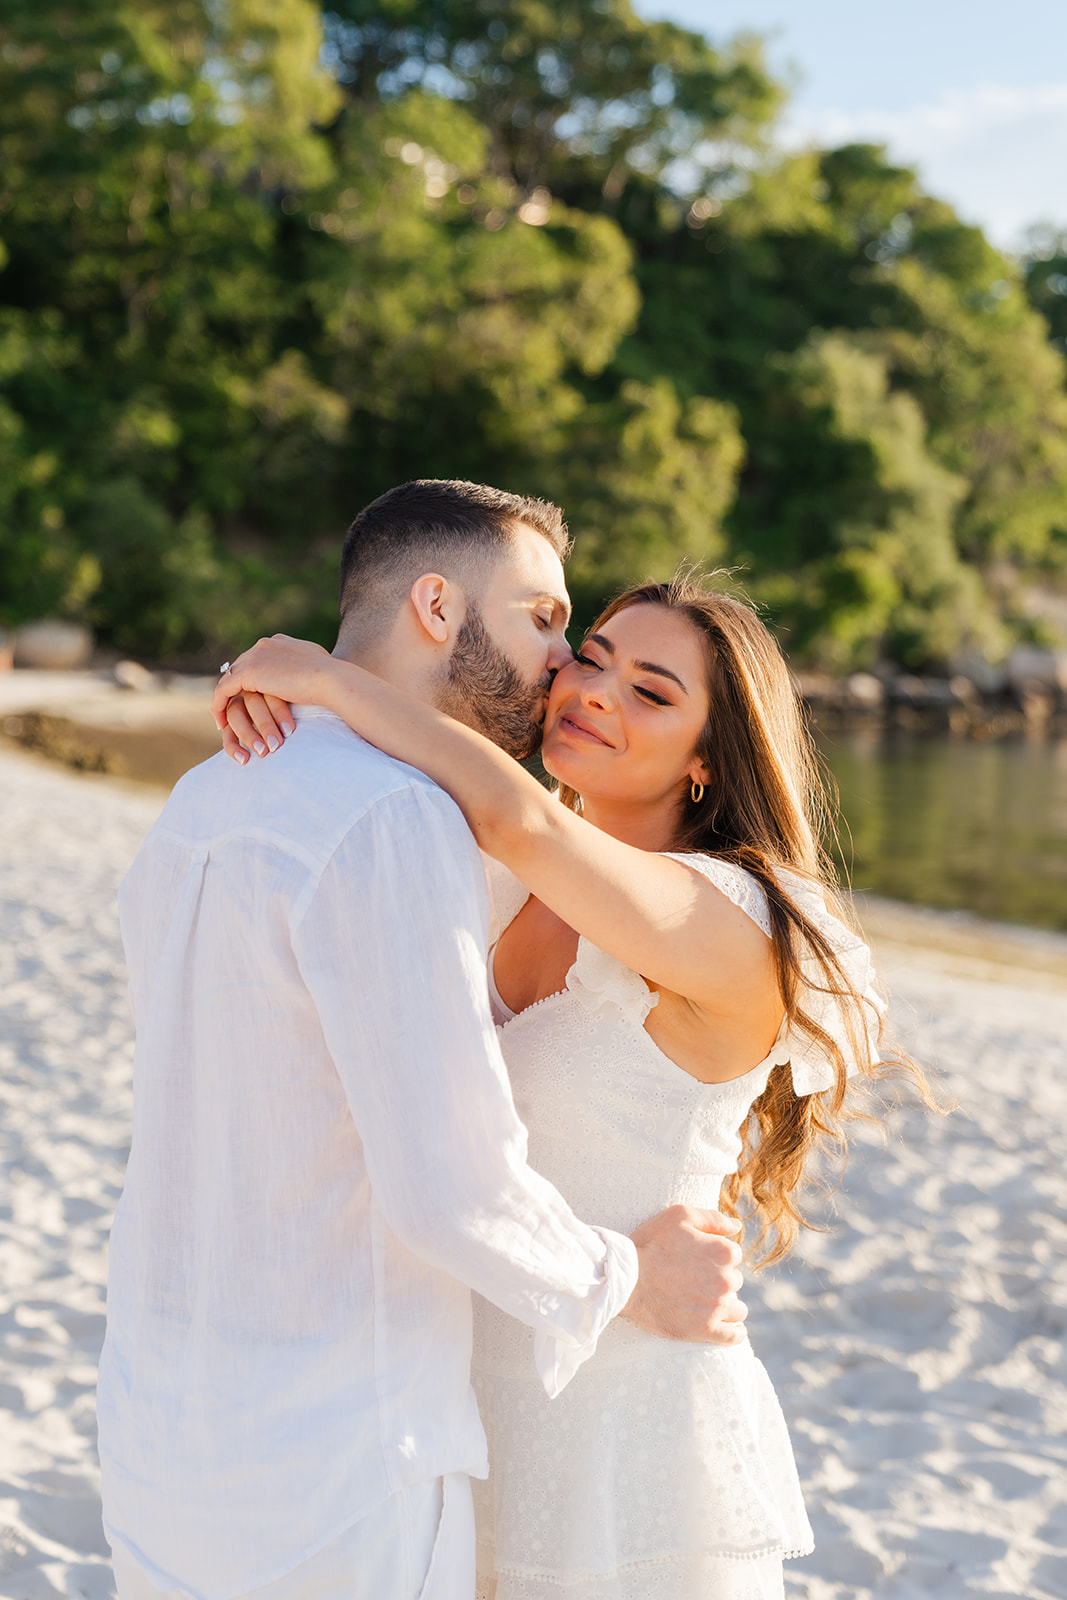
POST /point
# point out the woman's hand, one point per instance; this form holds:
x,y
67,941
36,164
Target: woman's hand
x,y
251,705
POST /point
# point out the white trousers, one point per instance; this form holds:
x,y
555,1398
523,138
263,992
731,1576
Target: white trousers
x,y
419,1545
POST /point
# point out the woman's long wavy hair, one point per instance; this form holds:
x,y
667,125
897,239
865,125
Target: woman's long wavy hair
x,y
766,808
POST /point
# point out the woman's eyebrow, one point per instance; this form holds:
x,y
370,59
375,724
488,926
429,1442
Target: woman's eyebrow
x,y
642,666
661,672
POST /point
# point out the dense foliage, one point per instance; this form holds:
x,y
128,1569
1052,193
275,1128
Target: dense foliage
x,y
260,261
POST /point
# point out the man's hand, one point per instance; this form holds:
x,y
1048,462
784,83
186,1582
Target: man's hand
x,y
689,1275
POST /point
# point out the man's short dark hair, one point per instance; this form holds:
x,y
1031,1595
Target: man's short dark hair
x,y
423,525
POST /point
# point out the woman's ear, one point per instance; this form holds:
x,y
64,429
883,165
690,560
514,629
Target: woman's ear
x,y
438,605
698,771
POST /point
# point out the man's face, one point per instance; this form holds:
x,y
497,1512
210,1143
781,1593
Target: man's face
x,y
510,646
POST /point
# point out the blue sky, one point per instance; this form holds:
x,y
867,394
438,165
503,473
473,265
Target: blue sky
x,y
972,92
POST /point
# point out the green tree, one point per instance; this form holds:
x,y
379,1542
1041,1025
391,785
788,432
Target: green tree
x,y
243,324
884,577
258,262
1045,277
137,144
842,241
646,480
573,95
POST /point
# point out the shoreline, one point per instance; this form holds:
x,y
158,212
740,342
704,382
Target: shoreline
x,y
961,944
147,738
87,722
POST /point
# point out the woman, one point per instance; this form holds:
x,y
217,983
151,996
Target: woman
x,y
680,1011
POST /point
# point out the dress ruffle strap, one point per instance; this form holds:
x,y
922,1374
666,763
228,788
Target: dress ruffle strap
x,y
813,1071
507,896
739,886
597,980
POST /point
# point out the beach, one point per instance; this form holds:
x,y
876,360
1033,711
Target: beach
x,y
917,1345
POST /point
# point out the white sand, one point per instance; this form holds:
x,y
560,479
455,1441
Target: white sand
x,y
65,1057
918,1348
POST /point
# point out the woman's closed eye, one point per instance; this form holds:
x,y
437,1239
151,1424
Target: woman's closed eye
x,y
639,688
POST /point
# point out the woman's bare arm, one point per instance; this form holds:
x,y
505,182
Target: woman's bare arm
x,y
657,916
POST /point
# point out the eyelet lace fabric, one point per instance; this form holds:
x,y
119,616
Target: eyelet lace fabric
x,y
734,882
663,1471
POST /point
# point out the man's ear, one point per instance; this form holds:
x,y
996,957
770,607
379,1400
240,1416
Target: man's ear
x,y
439,606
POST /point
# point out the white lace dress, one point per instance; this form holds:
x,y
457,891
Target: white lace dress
x,y
664,1470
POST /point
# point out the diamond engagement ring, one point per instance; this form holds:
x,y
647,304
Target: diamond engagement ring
x,y
224,669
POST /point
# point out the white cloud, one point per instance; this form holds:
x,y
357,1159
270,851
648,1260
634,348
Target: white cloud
x,y
997,153
959,114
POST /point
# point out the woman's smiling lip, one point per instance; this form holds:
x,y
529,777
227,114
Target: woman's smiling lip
x,y
583,730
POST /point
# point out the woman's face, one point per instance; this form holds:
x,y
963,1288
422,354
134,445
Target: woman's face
x,y
624,717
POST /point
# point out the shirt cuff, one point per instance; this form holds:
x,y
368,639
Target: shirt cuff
x,y
559,1355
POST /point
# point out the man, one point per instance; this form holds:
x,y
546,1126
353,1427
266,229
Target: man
x,y
326,1157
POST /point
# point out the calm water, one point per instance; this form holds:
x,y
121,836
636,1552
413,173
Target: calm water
x,y
957,824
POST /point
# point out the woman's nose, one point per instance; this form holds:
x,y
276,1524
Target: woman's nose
x,y
598,691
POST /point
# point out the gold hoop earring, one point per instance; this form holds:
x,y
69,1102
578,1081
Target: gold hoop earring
x,y
696,792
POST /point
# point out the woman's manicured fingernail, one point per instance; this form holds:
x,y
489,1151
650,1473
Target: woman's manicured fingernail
x,y
240,756
259,747
272,743
287,728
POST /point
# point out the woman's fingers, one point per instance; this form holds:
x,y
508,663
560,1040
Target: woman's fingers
x,y
241,731
232,746
282,712
279,666
254,723
270,735
249,717
220,700
229,686
252,720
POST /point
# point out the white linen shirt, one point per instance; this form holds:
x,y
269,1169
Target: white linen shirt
x,y
326,1158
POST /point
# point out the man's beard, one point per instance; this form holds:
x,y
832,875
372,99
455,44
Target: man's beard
x,y
484,689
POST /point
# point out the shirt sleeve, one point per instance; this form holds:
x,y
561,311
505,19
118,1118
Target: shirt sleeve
x,y
391,943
